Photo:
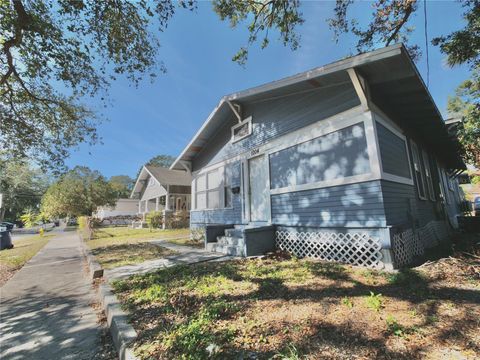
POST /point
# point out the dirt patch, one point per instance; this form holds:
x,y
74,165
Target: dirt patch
x,y
6,272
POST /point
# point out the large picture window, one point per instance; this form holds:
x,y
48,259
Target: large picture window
x,y
337,155
419,177
209,190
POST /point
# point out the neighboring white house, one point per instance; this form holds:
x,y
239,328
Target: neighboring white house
x,y
123,207
159,189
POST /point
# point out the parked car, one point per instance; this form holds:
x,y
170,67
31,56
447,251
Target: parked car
x,y
476,206
7,224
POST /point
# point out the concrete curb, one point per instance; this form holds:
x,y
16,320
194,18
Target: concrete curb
x,y
123,334
95,268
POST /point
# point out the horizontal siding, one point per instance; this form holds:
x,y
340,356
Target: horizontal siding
x,y
393,152
179,189
276,117
218,216
152,191
353,205
402,205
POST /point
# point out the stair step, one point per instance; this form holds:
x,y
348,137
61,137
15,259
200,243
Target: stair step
x,y
229,250
210,246
230,241
234,232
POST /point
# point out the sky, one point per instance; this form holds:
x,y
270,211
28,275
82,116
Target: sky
x,y
197,47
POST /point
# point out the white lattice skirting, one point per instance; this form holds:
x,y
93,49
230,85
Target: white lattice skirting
x,y
409,243
351,248
197,234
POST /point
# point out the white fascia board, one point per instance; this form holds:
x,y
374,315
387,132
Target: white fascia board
x,y
198,133
136,182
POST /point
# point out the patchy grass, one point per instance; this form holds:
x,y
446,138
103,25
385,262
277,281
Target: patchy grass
x,y
128,253
11,260
120,246
284,308
117,233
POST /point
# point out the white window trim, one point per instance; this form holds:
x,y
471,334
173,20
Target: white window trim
x,y
449,182
151,181
248,121
444,179
428,175
220,188
416,149
382,119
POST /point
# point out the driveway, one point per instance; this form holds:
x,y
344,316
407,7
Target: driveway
x,y
45,308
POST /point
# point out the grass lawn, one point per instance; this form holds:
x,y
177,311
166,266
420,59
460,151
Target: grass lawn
x,y
11,260
119,246
285,308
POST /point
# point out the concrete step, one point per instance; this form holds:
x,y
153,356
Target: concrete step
x,y
234,233
230,241
229,250
210,246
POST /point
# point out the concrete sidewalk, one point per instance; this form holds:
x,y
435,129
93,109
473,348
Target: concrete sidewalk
x,y
45,310
185,255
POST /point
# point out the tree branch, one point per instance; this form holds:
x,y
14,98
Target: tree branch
x,y
407,14
23,22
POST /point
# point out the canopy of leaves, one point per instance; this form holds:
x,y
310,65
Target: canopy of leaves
x,y
466,104
463,46
122,185
79,192
54,53
159,160
283,16
22,186
388,24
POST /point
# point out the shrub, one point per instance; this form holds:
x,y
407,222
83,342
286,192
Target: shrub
x,y
154,219
29,218
83,222
374,301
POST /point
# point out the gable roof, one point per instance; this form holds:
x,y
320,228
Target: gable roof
x,y
395,86
163,175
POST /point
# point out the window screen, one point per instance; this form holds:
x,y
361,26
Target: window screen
x,y
339,154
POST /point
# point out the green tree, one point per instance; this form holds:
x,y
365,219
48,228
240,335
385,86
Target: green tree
x,y
22,186
389,24
78,192
54,53
262,16
122,185
161,160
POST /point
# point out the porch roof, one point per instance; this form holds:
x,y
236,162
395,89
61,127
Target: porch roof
x,y
164,176
395,86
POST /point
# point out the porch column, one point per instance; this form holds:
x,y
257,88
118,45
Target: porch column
x,y
167,199
146,206
157,199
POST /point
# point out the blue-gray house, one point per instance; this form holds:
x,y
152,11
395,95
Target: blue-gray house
x,y
347,162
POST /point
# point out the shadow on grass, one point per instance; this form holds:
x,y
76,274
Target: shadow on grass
x,y
185,319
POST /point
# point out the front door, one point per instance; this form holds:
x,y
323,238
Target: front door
x,y
259,189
